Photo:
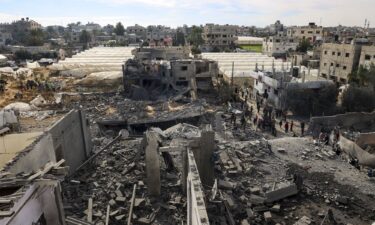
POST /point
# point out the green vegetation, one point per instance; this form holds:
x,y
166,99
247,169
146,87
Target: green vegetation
x,y
195,38
252,48
359,97
304,46
119,29
311,102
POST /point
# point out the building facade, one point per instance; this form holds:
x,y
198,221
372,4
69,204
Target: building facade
x,y
279,45
139,31
312,32
219,36
367,56
337,61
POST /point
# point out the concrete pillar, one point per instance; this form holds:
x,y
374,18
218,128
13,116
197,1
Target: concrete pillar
x,y
203,156
152,163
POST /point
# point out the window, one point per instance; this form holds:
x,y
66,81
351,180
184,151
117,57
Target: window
x,y
302,31
337,65
310,32
184,68
367,57
277,40
318,31
333,53
347,55
325,52
325,64
331,64
344,67
339,53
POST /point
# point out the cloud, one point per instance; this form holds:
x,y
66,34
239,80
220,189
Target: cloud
x,y
178,12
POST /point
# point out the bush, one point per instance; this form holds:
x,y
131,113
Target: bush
x,y
359,99
23,55
306,102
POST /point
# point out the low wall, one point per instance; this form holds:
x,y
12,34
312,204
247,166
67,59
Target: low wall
x,y
360,121
33,157
353,150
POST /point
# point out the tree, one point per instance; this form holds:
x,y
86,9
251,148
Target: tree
x,y
85,37
119,29
304,45
23,55
180,39
358,99
302,101
195,37
363,76
36,38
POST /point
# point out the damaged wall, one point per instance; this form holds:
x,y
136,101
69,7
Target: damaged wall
x,y
357,120
68,139
72,139
40,204
197,213
33,157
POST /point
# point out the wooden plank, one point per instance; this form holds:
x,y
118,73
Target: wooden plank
x,y
89,211
59,163
130,216
6,213
107,215
5,201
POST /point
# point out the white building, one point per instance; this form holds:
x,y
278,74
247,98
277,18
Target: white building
x,y
279,45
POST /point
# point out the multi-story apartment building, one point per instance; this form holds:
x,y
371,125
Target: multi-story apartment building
x,y
25,25
312,32
219,36
337,61
367,56
279,44
139,31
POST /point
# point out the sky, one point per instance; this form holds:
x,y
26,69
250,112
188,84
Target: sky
x,y
191,12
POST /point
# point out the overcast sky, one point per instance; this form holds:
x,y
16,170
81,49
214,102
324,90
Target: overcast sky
x,y
177,12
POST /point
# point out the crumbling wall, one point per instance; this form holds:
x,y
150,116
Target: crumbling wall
x,y
40,203
72,139
358,121
34,157
354,151
197,213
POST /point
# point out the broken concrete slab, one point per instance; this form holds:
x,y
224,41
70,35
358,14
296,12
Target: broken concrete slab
x,y
281,193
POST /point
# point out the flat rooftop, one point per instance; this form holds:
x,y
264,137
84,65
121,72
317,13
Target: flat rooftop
x,y
12,144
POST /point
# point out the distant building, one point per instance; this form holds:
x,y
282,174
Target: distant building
x,y
337,61
367,56
159,33
139,31
246,40
278,45
219,36
312,32
276,27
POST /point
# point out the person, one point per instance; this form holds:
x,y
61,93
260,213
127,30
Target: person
x,y
286,127
291,126
251,110
302,128
258,106
243,121
281,123
255,121
233,119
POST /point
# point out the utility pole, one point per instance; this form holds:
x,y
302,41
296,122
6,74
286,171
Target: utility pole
x,y
232,79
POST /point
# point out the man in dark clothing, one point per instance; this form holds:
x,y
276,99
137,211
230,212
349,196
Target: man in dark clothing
x,y
286,126
281,124
302,128
243,122
291,126
233,119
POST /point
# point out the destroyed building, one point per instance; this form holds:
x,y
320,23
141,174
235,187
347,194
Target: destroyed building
x,y
164,70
